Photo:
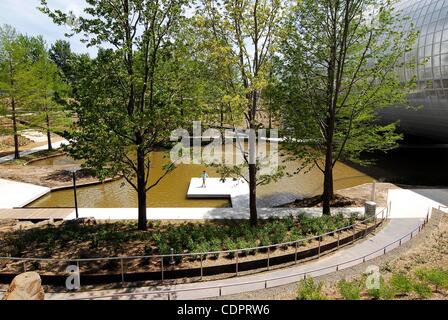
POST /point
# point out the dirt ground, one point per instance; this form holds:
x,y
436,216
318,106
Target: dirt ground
x,y
350,197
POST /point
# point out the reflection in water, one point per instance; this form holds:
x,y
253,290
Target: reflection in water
x,y
172,190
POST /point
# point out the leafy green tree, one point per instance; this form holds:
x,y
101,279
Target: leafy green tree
x,y
14,78
127,103
61,54
243,34
339,63
46,89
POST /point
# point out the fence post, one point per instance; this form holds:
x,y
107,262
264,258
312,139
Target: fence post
x,y
161,266
122,273
295,254
24,266
79,271
339,235
318,250
269,250
236,255
365,231
201,267
354,230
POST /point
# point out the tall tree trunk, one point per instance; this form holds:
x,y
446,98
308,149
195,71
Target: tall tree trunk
x,y
14,127
253,194
253,162
47,120
328,193
141,190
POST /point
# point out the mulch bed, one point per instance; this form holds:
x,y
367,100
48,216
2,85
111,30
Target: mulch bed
x,y
338,201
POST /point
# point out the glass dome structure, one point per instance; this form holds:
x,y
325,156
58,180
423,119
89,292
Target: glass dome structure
x,y
430,18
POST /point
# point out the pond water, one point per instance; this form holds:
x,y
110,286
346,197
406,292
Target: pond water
x,y
172,190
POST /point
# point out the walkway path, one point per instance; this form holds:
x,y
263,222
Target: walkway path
x,y
55,145
408,212
15,194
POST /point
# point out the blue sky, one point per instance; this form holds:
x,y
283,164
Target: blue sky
x,y
24,16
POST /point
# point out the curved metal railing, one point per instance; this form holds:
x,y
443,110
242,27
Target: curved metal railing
x,y
219,288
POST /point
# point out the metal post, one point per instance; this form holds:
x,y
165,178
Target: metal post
x,y
74,193
79,275
365,231
237,254
24,266
339,235
295,254
161,265
269,249
122,272
318,250
201,267
354,230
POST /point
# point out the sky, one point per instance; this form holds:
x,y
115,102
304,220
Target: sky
x,y
24,16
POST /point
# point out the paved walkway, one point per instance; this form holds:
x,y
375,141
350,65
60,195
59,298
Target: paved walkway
x,y
35,214
55,145
15,194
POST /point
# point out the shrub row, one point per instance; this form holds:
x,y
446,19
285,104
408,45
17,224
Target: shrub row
x,y
182,238
423,284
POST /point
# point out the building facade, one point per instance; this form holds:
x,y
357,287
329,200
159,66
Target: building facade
x,y
430,18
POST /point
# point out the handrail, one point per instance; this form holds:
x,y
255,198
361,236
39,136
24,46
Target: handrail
x,y
265,281
289,243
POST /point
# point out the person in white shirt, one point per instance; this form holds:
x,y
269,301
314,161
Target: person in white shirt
x,y
204,177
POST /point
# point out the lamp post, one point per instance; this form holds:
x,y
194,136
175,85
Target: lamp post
x,y
73,171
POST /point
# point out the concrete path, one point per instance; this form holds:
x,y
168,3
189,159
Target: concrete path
x,y
15,194
55,145
410,203
438,195
35,214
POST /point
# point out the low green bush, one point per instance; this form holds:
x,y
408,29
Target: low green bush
x,y
401,283
435,276
186,237
309,290
350,290
422,290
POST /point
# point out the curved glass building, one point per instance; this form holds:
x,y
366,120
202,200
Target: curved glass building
x,y
430,17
